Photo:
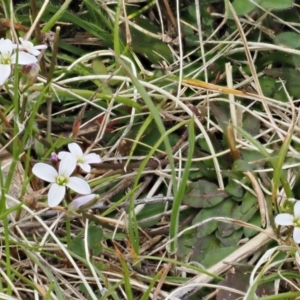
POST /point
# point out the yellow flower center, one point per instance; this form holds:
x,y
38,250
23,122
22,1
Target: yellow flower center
x,y
5,59
61,180
80,160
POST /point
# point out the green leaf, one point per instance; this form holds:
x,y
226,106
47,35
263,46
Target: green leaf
x,y
225,210
230,240
240,165
208,227
95,235
243,216
288,38
268,85
203,246
152,136
253,155
255,220
100,69
275,4
145,216
291,76
249,200
203,194
216,255
242,7
234,189
77,246
251,124
152,48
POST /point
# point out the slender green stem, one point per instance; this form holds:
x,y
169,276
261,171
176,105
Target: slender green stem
x,y
181,189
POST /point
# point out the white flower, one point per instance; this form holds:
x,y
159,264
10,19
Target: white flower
x,y
285,219
82,200
30,48
83,160
7,58
60,180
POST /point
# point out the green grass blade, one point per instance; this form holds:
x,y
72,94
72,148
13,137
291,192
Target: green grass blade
x,y
58,14
117,29
161,128
174,224
263,151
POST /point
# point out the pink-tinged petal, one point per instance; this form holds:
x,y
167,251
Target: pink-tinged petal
x,y
53,157
297,210
85,167
78,185
296,235
5,71
284,219
56,194
40,47
92,158
75,150
23,58
45,172
83,200
34,52
67,165
6,47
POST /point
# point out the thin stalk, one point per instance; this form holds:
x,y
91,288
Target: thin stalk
x,y
174,225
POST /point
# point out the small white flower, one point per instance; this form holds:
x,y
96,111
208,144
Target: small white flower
x,y
30,48
82,200
60,180
83,160
285,219
7,58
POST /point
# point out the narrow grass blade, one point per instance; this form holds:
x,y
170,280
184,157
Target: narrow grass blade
x,y
263,151
126,274
56,16
181,189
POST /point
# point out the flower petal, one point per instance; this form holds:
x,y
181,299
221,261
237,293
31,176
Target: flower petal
x,y
92,158
85,167
6,47
67,165
284,219
297,210
30,48
26,44
56,194
5,71
79,185
40,47
75,150
23,58
45,172
34,51
296,235
63,154
83,200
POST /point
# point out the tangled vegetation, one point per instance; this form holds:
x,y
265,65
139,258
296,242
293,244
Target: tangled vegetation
x,y
168,131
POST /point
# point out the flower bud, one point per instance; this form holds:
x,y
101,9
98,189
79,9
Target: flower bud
x,y
54,160
31,72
